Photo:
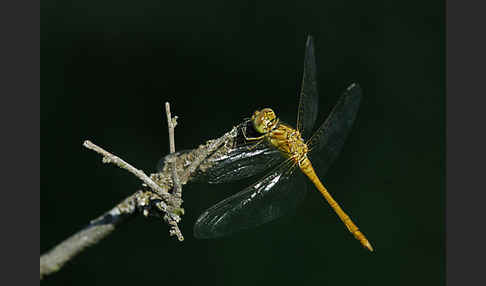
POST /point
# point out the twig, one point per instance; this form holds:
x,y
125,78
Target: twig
x,y
53,260
157,201
172,123
110,158
177,190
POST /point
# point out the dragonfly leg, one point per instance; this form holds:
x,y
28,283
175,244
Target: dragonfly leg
x,y
259,138
254,145
253,138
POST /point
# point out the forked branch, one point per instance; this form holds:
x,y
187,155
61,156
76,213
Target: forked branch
x,y
161,195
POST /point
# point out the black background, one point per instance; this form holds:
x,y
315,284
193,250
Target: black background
x,y
107,68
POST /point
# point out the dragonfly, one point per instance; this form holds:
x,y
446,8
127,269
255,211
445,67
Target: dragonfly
x,y
275,147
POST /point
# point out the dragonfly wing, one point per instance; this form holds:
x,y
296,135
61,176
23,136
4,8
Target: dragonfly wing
x,y
327,141
279,192
241,162
308,101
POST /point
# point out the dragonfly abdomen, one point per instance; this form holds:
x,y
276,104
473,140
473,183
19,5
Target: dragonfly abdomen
x,y
308,170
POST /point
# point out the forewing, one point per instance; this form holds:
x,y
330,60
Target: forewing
x,y
327,141
308,102
276,194
241,162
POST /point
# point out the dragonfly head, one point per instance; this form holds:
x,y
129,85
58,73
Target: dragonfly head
x,y
264,120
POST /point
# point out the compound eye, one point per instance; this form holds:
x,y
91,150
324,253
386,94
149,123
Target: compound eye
x,y
270,115
256,113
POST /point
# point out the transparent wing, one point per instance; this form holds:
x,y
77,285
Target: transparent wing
x,y
308,101
276,194
327,141
243,160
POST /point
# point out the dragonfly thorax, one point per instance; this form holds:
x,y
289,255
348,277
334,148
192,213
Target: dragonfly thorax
x,y
264,120
289,141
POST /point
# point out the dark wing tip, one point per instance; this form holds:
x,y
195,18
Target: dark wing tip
x,y
310,41
353,92
354,86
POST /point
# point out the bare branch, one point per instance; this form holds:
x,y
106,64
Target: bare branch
x,y
53,260
110,158
171,122
177,190
157,201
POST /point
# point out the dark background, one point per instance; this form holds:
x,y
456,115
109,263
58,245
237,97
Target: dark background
x,y
108,67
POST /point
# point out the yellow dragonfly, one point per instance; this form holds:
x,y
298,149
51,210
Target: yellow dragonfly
x,y
270,144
